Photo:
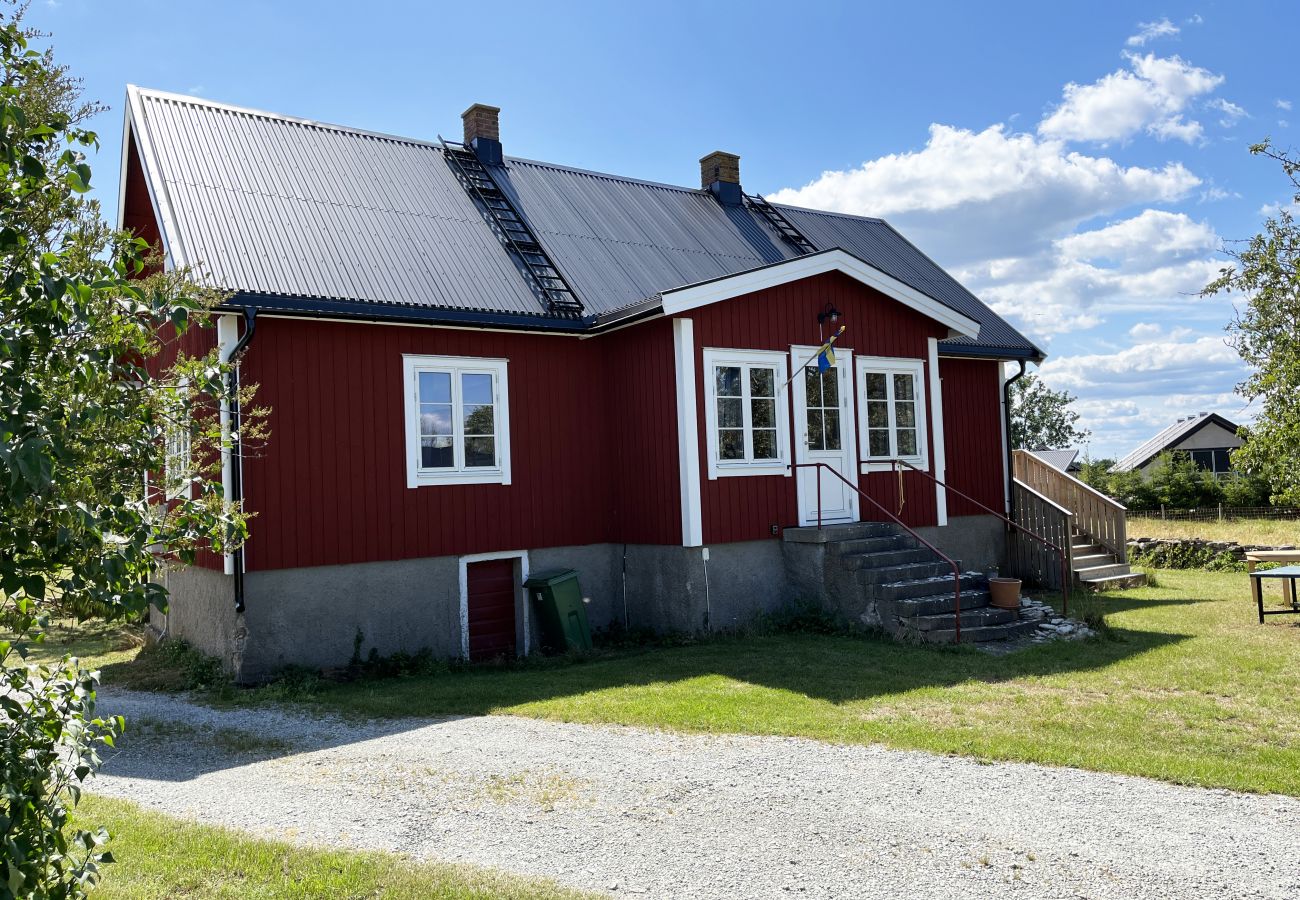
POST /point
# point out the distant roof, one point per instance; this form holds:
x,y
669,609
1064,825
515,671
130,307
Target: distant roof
x,y
1168,437
1057,459
294,213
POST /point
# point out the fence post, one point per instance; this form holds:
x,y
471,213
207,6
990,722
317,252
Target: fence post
x,y
1220,513
1162,512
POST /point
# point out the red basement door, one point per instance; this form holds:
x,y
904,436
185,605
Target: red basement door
x,y
492,592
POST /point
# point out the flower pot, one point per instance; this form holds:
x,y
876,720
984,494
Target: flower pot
x,y
1004,593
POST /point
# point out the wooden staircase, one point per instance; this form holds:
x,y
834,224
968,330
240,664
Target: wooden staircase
x,y
1060,506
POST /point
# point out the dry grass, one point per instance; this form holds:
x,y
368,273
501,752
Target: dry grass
x,y
1271,532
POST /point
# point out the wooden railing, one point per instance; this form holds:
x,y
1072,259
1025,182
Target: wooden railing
x,y
1028,559
1100,517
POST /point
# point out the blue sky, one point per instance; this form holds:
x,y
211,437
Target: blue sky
x,y
1076,165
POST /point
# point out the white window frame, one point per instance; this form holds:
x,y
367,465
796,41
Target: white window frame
x,y
891,366
178,452
417,476
772,359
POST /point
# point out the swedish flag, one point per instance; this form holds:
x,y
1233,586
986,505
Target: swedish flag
x,y
826,355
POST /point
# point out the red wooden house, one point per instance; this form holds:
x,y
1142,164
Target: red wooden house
x,y
480,366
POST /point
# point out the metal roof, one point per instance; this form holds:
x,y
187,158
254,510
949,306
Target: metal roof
x,y
281,207
1061,460
1168,437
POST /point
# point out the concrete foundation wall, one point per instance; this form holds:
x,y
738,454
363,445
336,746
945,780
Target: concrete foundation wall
x,y
201,612
979,542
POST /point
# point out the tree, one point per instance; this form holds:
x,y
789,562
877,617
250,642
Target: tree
x,y
84,407
1041,418
1266,333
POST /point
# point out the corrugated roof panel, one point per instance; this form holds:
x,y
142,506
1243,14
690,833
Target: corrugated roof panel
x,y
276,205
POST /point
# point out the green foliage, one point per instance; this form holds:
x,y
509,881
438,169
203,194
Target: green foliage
x,y
83,412
1175,481
1265,334
1187,556
1041,418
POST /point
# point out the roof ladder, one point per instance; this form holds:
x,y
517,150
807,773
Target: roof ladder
x,y
513,230
783,226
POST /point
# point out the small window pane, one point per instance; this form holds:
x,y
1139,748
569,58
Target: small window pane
x,y
435,453
1222,463
478,420
876,386
763,413
764,443
762,383
906,413
812,387
816,440
832,429
878,442
435,387
830,388
907,442
731,444
730,413
903,387
476,389
878,414
480,452
435,418
727,381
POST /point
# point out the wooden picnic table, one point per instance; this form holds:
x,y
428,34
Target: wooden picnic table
x,y
1288,574
1278,556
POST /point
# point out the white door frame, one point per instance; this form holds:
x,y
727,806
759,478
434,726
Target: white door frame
x,y
521,597
845,461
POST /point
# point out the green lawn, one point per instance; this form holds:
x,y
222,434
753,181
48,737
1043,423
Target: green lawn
x,y
1185,687
162,857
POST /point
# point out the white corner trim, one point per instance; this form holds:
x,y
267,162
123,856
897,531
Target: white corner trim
x,y
1002,424
412,364
936,431
227,337
688,433
694,296
521,595
775,359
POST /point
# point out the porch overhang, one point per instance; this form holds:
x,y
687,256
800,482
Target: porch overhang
x,y
704,293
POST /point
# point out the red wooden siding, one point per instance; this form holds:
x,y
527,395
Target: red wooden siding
x,y
973,433
330,486
641,413
491,592
137,209
744,508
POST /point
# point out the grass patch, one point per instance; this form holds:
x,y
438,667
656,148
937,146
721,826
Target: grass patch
x,y
162,857
95,642
1184,686
230,740
1270,532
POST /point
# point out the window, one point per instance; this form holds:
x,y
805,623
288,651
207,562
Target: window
x,y
745,420
892,417
457,421
822,402
176,446
1215,461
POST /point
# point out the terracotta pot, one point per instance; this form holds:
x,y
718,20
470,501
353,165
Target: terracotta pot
x,y
1004,593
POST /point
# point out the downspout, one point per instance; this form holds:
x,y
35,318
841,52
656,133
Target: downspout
x,y
235,482
1006,425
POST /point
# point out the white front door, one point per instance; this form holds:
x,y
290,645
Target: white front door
x,y
824,432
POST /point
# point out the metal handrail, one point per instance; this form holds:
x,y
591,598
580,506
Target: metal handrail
x,y
956,570
1065,557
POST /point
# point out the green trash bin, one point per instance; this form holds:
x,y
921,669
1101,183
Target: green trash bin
x,y
561,612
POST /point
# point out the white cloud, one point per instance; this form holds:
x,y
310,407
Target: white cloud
x,y
1128,395
1283,123
1231,111
1151,96
974,196
1194,20
1283,104
1153,235
1150,31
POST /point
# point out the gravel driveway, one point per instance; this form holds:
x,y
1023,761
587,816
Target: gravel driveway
x,y
654,814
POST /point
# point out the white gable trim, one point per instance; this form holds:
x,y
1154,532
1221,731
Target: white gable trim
x,y
135,125
694,296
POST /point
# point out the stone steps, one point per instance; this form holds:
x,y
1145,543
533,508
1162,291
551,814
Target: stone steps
x,y
927,587
981,635
916,571
886,559
938,604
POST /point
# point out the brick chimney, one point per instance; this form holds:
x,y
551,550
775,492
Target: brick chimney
x,y
720,174
483,132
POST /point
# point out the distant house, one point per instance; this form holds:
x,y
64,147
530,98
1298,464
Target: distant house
x,y
1066,460
479,366
1208,438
